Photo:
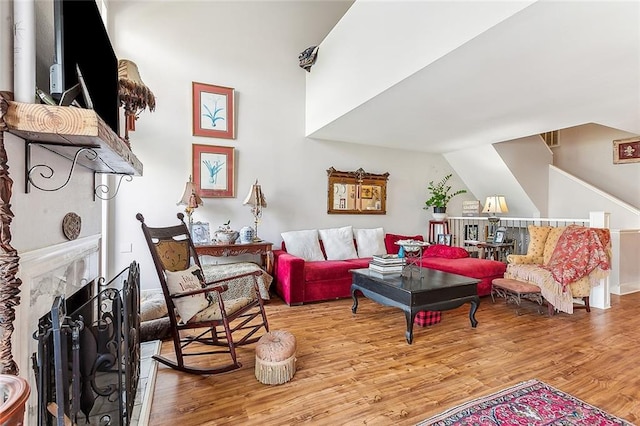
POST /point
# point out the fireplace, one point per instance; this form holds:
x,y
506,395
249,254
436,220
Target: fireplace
x,y
61,269
87,364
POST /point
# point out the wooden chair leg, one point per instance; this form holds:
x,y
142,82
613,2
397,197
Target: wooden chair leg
x,y
177,346
586,303
550,309
214,335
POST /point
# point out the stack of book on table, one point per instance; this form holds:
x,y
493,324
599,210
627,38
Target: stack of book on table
x,y
385,264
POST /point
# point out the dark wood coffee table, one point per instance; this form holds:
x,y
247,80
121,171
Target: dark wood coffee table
x,y
430,290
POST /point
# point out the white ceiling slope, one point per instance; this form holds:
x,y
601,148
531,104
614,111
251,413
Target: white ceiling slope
x,y
548,66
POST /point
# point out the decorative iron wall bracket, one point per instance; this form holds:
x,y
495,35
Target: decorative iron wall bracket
x,y
82,155
101,190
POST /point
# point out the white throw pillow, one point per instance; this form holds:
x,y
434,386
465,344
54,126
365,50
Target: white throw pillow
x,y
370,241
180,282
338,243
304,244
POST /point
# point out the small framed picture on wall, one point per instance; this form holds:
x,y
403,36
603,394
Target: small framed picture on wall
x,y
213,111
214,171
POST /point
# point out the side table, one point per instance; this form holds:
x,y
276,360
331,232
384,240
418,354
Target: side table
x,y
262,248
494,250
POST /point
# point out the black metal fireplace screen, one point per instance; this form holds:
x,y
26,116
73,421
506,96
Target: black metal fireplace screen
x,y
88,361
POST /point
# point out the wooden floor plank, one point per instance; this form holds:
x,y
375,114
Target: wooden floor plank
x,y
358,369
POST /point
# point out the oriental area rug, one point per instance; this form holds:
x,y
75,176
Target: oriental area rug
x,y
530,403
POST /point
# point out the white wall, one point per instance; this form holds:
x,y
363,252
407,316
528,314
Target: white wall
x,y
252,47
488,170
625,269
570,197
38,214
528,158
519,169
587,152
360,58
522,76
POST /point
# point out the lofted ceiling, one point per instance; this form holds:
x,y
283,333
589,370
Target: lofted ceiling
x,y
550,66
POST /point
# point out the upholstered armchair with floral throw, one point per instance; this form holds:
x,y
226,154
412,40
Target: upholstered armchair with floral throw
x,y
565,262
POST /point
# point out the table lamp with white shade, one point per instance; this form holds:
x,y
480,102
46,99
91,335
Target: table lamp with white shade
x,y
256,200
494,205
191,200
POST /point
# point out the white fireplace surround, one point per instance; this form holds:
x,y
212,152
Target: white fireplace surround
x,y
46,273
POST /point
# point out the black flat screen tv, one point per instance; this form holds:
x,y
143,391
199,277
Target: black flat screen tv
x,y
81,41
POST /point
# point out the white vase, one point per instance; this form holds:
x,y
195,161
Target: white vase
x,y
439,216
439,213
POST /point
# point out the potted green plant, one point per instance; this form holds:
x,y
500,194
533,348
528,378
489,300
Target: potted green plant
x,y
440,195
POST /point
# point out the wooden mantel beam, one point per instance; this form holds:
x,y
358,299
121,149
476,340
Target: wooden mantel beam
x,y
71,128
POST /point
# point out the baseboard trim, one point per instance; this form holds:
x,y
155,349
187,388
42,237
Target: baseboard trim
x,y
147,383
626,288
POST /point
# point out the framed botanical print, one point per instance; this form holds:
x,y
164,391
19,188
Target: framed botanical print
x,y
214,170
213,111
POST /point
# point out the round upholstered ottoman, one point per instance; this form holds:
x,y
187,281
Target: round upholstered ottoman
x,y
276,357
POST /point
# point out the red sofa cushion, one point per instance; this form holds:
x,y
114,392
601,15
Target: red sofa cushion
x,y
469,267
390,241
327,270
483,269
447,252
359,263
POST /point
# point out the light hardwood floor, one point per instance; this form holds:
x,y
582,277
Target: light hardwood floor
x,y
358,369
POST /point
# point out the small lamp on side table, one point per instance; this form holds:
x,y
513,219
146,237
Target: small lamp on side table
x,y
493,205
256,200
191,200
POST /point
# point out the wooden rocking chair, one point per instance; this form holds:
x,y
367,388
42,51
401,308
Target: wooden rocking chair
x,y
194,305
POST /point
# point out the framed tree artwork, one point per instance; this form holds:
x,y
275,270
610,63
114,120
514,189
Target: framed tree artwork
x,y
214,170
213,111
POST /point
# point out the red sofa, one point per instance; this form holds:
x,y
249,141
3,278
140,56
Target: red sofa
x,y
456,260
298,281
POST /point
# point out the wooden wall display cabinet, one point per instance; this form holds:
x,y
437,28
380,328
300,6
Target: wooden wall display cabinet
x,y
356,192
